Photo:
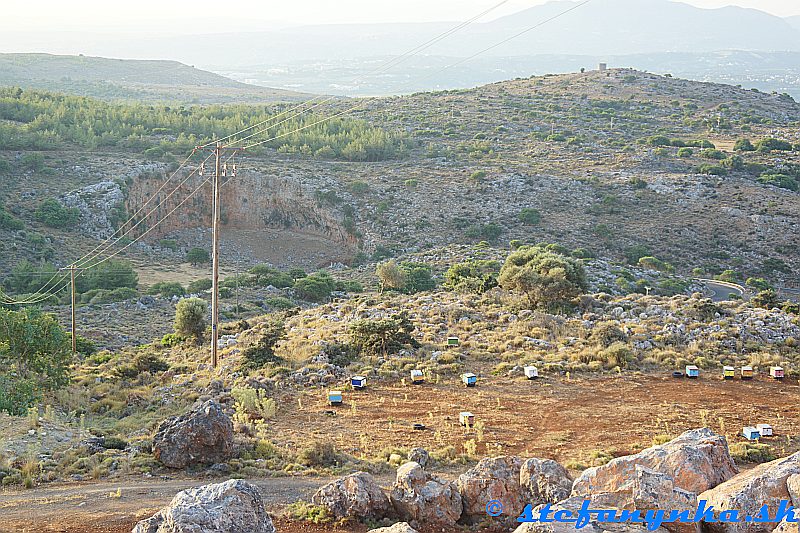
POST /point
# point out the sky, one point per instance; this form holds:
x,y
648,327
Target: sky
x,y
203,16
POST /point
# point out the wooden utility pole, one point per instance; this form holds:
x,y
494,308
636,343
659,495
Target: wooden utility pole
x,y
72,269
220,171
215,261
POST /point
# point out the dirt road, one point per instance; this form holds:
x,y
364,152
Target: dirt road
x,y
96,508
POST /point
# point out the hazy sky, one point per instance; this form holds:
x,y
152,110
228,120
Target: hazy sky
x,y
200,16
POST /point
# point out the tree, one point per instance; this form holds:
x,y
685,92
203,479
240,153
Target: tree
x,y
547,279
190,318
766,299
384,336
111,274
390,275
743,145
34,358
198,256
418,277
477,276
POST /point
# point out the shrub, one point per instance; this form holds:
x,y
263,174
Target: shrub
x,y
200,285
780,180
488,232
318,454
743,145
390,275
198,256
167,289
746,452
476,276
685,152
171,339
711,153
34,358
316,287
265,275
384,336
190,317
111,274
279,302
417,276
9,221
547,279
530,216
114,443
770,143
713,170
51,213
478,175
263,352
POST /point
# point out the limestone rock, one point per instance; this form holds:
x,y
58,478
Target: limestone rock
x,y
750,490
420,497
594,526
419,455
696,461
202,436
356,495
654,490
495,478
234,506
545,480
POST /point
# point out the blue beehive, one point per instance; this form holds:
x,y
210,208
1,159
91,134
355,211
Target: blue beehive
x,y
692,371
335,397
469,379
751,433
358,382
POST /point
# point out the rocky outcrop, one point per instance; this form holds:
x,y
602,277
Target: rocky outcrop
x,y
202,436
793,486
234,506
356,495
696,461
494,478
420,497
96,205
654,490
545,480
747,492
400,527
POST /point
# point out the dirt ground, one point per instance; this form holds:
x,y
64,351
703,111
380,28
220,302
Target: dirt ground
x,y
565,419
551,417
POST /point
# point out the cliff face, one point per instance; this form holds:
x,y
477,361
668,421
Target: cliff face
x,y
249,201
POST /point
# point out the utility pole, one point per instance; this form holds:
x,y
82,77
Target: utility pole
x,y
72,268
220,171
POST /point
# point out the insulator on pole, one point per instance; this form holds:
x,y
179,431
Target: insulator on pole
x,y
233,171
224,169
201,170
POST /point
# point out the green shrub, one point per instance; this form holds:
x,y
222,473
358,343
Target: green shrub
x,y
743,145
685,152
319,453
279,302
51,213
9,221
167,289
198,256
780,180
316,287
190,317
770,143
265,275
746,452
530,216
172,339
199,285
476,276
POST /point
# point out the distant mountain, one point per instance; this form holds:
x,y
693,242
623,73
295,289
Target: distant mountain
x,y
129,79
599,27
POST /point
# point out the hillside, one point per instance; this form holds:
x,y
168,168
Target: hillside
x,y
122,79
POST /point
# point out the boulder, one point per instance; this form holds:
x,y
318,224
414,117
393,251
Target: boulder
x,y
786,527
696,461
545,480
419,455
594,526
654,490
750,490
793,486
400,527
495,478
234,506
356,495
202,436
422,498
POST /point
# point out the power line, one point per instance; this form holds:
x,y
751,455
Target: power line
x,y
386,66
